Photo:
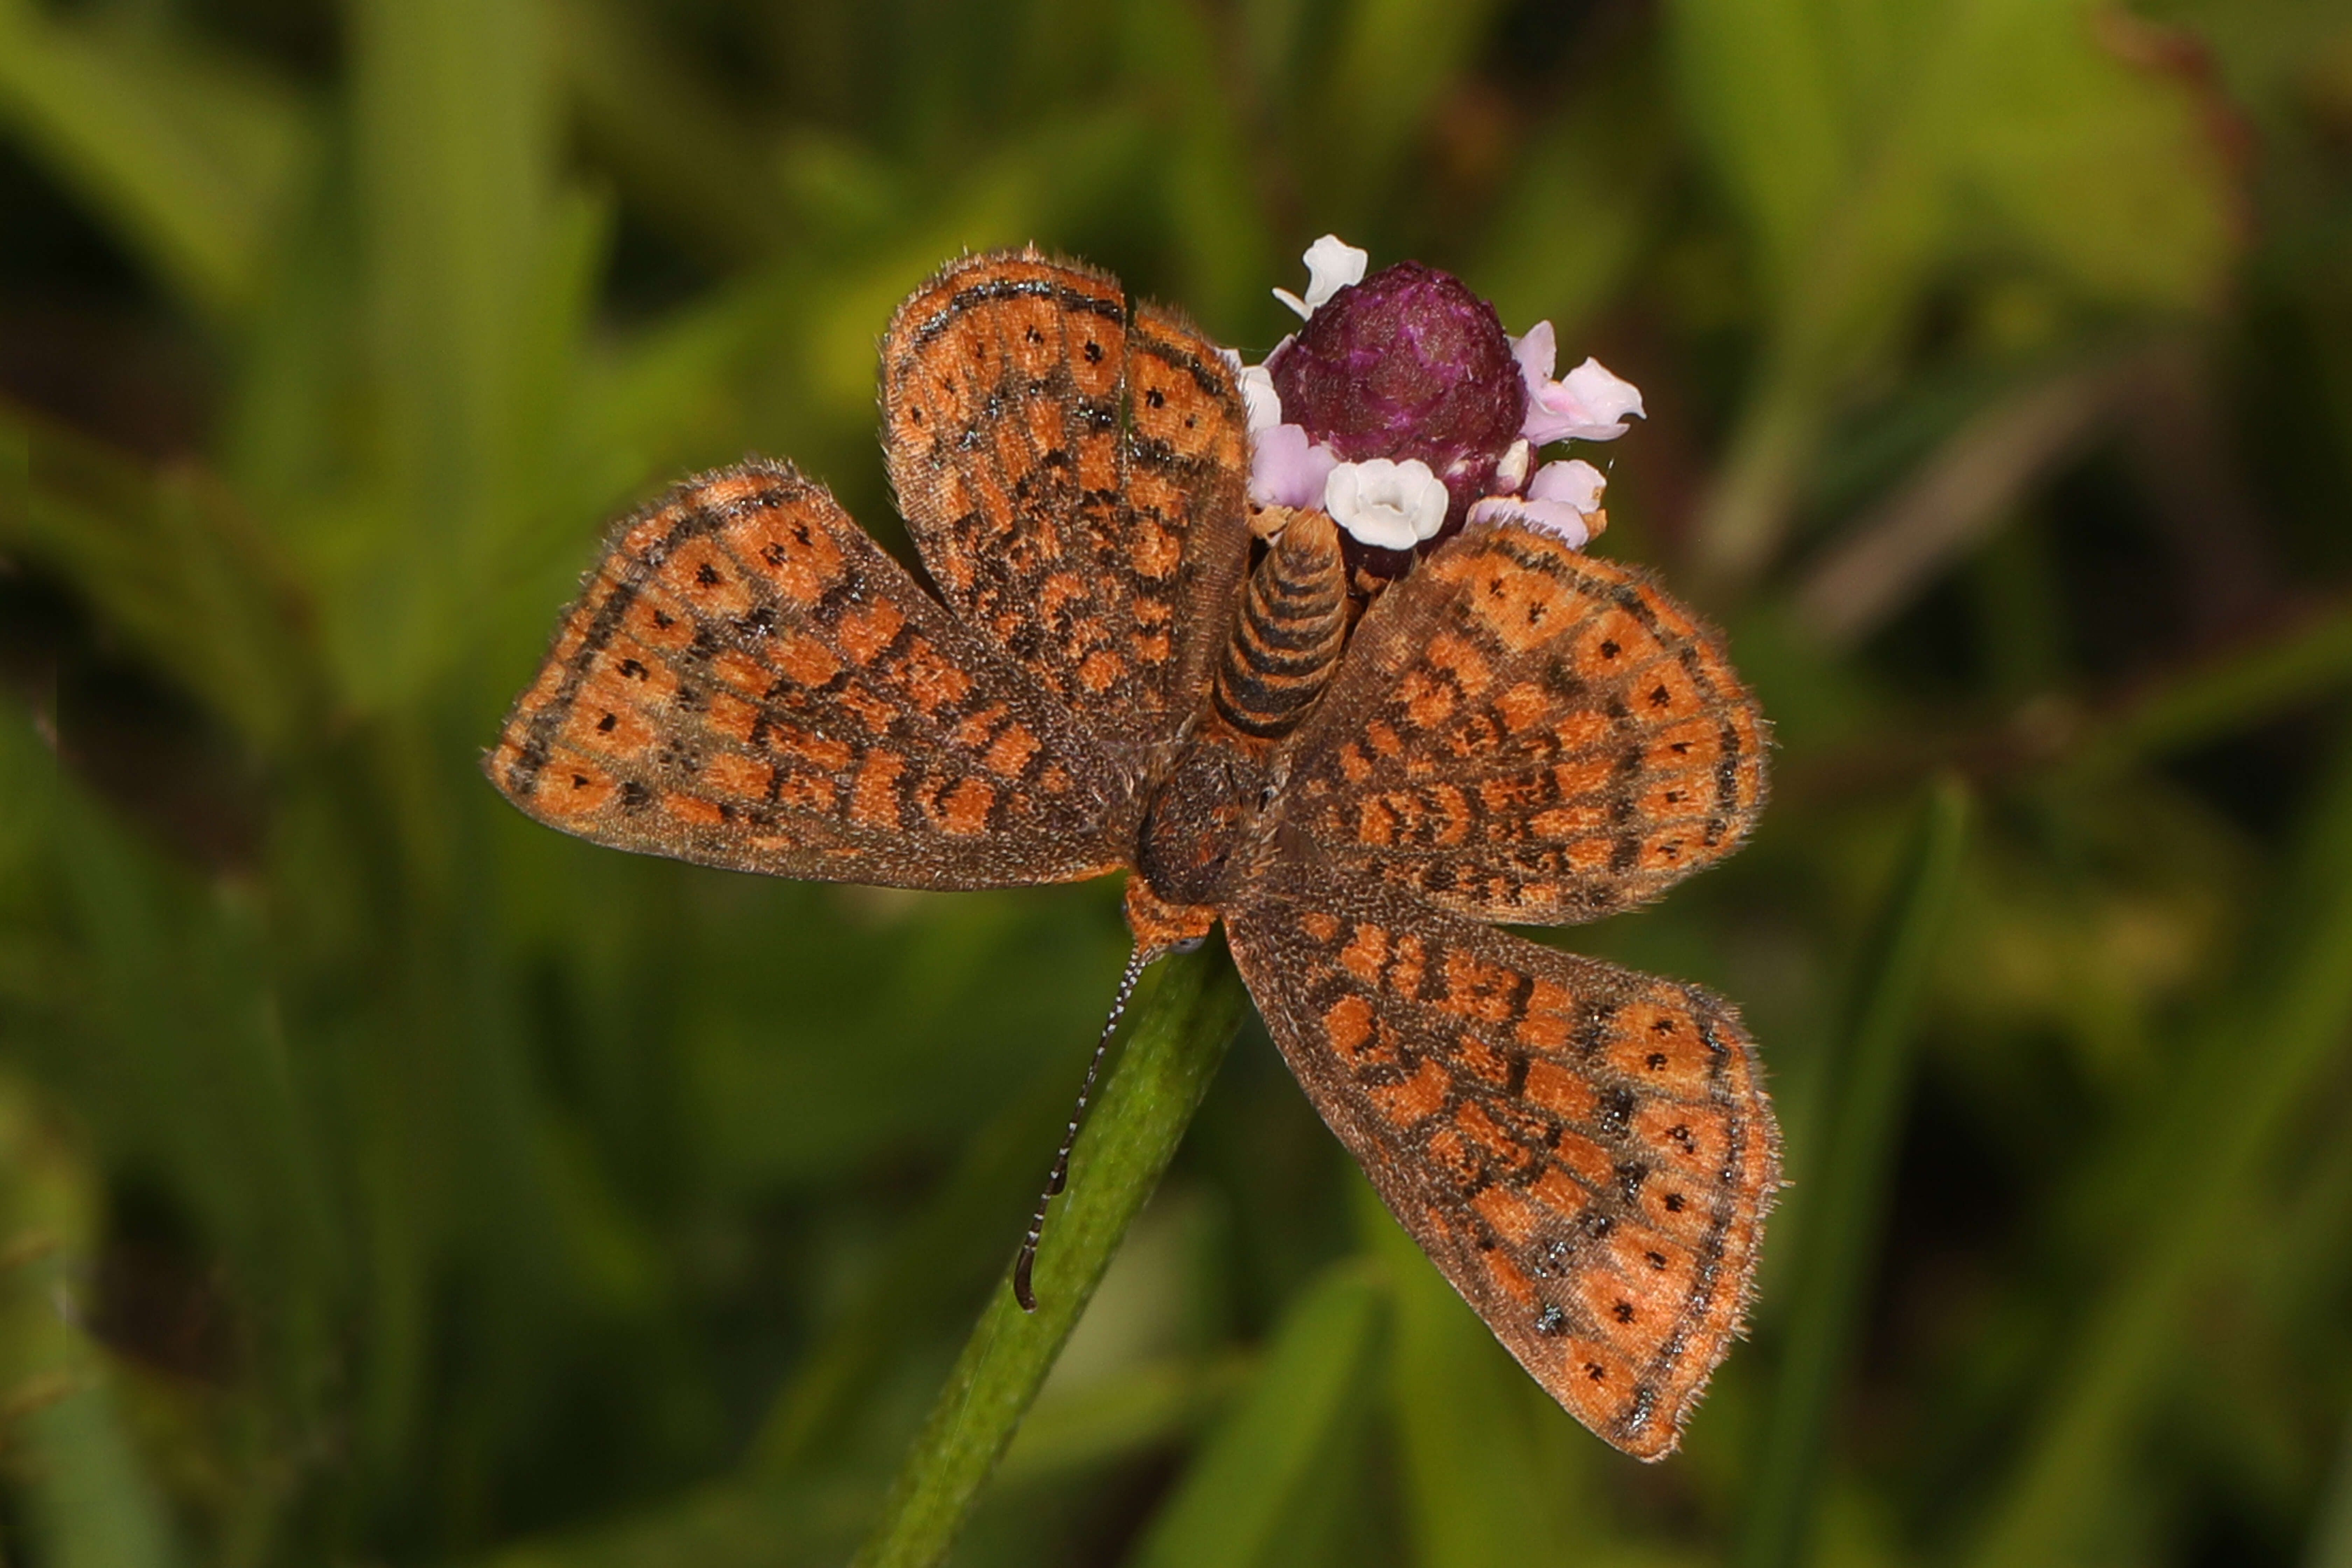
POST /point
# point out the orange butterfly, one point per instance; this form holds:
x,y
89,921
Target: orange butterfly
x,y
1114,676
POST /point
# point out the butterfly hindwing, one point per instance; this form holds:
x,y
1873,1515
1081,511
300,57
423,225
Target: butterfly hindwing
x,y
1072,471
749,682
1522,732
1586,1153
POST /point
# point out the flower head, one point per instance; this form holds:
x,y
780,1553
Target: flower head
x,y
1407,364
1401,408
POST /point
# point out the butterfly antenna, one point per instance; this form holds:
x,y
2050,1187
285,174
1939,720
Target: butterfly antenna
x,y
1060,1175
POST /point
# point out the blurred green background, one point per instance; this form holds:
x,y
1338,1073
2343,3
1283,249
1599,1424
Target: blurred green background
x,y
384,1179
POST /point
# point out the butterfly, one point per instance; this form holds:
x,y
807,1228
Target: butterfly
x,y
1118,671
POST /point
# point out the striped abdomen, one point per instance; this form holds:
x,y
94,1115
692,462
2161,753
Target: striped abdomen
x,y
1293,621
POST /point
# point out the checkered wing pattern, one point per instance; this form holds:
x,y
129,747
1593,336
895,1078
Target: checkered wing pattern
x,y
749,682
1585,1153
1525,733
1072,471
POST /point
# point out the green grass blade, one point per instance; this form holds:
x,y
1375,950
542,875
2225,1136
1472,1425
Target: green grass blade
x,y
2224,696
172,564
1849,1175
1160,1405
1475,1485
808,1523
77,1473
1184,1022
1253,1472
936,1259
191,157
456,138
2225,1118
2331,1536
664,133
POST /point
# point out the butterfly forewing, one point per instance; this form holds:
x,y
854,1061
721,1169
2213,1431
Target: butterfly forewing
x,y
1072,473
749,682
1585,1153
1521,733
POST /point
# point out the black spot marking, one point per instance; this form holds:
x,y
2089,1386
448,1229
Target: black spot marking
x,y
707,575
1654,1060
1655,1259
1093,352
605,725
631,669
1596,1372
1675,1203
663,620
636,796
1622,1311
1155,398
1610,649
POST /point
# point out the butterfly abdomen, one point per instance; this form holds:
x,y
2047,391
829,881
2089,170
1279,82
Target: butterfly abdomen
x,y
1293,623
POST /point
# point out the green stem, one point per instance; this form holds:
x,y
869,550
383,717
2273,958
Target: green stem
x,y
1838,1240
1189,1010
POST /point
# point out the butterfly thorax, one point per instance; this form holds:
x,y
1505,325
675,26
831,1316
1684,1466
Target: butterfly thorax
x,y
1204,816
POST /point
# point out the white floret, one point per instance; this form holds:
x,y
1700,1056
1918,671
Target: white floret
x,y
1389,505
1332,264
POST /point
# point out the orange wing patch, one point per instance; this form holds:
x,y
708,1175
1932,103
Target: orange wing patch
x,y
1596,1190
749,682
1072,473
1525,733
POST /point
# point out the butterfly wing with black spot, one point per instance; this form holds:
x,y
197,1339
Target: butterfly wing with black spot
x,y
749,682
1587,1153
1525,733
1072,473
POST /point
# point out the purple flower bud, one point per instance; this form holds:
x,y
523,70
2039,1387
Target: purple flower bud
x,y
1407,364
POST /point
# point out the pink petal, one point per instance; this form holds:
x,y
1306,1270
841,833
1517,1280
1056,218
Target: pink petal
x,y
1589,404
1610,396
1286,468
1575,483
1537,352
1550,516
